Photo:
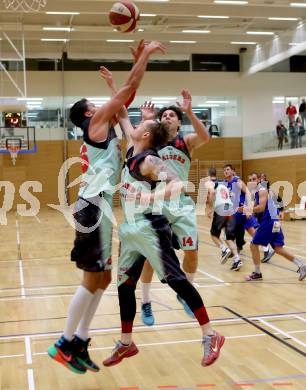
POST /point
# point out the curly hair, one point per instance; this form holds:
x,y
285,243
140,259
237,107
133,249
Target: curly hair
x,y
175,109
160,133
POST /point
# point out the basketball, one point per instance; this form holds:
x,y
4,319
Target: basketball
x,y
124,16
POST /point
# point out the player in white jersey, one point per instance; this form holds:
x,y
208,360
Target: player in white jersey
x,y
220,207
92,243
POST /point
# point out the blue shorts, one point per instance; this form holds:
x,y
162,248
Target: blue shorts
x,y
264,235
248,223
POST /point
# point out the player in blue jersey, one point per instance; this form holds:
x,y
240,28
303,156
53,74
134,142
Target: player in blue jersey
x,y
240,196
92,245
269,231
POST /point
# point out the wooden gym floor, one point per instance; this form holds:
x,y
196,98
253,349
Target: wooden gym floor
x,y
264,322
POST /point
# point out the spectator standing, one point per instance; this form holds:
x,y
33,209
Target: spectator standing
x,y
300,130
291,112
302,112
281,133
293,131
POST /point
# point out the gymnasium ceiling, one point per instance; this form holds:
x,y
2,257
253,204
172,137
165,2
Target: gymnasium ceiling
x,y
90,29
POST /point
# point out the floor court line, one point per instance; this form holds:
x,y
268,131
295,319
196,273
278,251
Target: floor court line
x,y
176,342
282,341
108,293
141,327
77,285
283,333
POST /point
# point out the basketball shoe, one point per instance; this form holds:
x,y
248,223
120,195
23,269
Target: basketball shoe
x,y
63,351
82,355
146,314
120,352
212,346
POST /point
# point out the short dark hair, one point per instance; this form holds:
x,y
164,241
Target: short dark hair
x,y
77,112
212,172
175,109
254,173
160,133
228,166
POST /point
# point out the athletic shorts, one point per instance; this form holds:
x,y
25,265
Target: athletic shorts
x,y
248,223
264,235
227,222
182,218
148,238
93,235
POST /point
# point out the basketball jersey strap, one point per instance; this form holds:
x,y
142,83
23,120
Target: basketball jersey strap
x,y
100,145
179,143
133,164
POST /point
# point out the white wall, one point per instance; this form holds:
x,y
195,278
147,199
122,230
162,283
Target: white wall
x,y
255,91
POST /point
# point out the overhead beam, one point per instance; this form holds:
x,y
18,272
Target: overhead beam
x,y
275,50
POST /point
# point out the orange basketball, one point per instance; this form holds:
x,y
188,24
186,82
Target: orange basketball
x,y
124,16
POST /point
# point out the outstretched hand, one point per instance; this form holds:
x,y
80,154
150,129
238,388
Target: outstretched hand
x,y
147,111
137,52
186,105
155,46
108,77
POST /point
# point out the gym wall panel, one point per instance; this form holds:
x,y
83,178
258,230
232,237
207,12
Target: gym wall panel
x,y
290,168
43,166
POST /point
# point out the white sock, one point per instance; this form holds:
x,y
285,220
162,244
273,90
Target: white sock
x,y
145,289
190,277
83,327
265,248
77,307
236,258
222,247
298,262
257,269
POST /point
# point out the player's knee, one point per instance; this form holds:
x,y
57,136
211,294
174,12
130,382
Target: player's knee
x,y
106,279
91,281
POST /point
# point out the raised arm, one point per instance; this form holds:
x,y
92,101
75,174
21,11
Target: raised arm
x,y
147,110
99,123
125,125
201,135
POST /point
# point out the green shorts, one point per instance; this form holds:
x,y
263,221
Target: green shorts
x,y
181,215
150,237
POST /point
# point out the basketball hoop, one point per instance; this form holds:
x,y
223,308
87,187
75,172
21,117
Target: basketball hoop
x,y
25,5
13,149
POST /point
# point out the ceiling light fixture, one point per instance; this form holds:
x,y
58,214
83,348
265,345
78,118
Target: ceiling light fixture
x,y
260,33
183,41
232,2
54,39
276,18
243,43
196,31
298,4
213,17
58,29
120,40
62,13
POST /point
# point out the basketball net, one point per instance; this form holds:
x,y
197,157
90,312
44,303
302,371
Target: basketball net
x,y
25,5
13,149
